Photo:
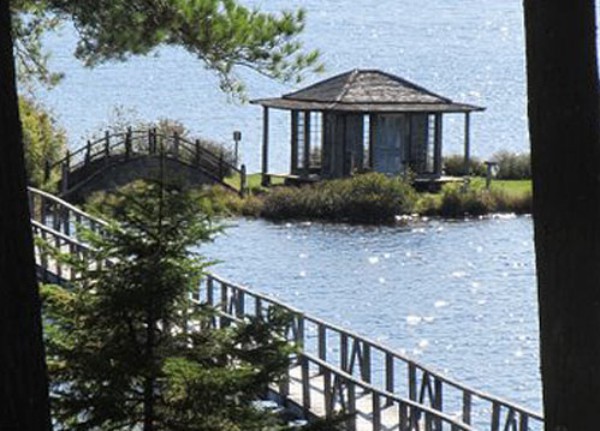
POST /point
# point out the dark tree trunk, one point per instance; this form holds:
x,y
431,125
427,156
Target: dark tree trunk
x,y
23,378
565,143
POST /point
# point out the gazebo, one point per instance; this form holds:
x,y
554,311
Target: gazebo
x,y
364,120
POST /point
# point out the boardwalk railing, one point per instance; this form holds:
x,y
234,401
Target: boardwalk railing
x,y
347,370
374,364
126,145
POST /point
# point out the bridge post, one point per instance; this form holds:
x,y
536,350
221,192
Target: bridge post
x,y
107,144
88,152
176,145
150,146
243,180
64,181
221,165
128,143
197,155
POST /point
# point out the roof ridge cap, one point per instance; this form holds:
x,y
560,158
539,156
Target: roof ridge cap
x,y
347,86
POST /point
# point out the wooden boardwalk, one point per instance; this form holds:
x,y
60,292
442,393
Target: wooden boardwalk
x,y
335,371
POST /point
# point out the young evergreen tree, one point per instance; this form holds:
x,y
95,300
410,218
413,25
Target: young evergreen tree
x,y
128,348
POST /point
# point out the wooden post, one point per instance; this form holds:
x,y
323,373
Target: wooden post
x,y
322,338
258,307
437,145
243,180
305,384
88,152
224,320
372,129
376,411
128,143
107,144
412,381
151,148
467,143
389,375
294,143
64,182
351,422
366,363
176,145
300,331
306,143
344,365
466,408
265,147
197,154
328,393
222,164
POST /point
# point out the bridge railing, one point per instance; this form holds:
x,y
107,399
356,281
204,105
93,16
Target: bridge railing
x,y
374,364
51,211
342,392
129,144
391,378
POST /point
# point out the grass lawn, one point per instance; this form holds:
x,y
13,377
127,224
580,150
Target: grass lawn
x,y
512,187
252,181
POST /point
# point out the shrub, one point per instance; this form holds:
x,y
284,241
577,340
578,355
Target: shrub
x,y
454,165
512,166
368,198
460,201
509,202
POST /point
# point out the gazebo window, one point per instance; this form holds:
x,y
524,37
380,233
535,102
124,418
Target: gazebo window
x,y
431,133
301,136
316,138
366,140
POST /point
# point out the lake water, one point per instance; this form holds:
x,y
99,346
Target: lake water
x,y
458,296
468,50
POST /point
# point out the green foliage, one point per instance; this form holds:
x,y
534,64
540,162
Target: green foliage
x,y
127,346
30,21
223,34
368,198
454,165
513,166
458,201
44,142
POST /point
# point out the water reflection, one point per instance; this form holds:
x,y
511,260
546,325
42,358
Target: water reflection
x,y
459,296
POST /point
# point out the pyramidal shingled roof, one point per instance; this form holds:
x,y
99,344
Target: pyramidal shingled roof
x,y
366,91
366,86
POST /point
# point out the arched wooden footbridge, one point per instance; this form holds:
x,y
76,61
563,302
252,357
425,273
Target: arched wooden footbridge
x,y
335,371
119,158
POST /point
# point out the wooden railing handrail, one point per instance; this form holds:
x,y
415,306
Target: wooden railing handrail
x,y
65,205
130,144
121,138
493,400
386,395
235,293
